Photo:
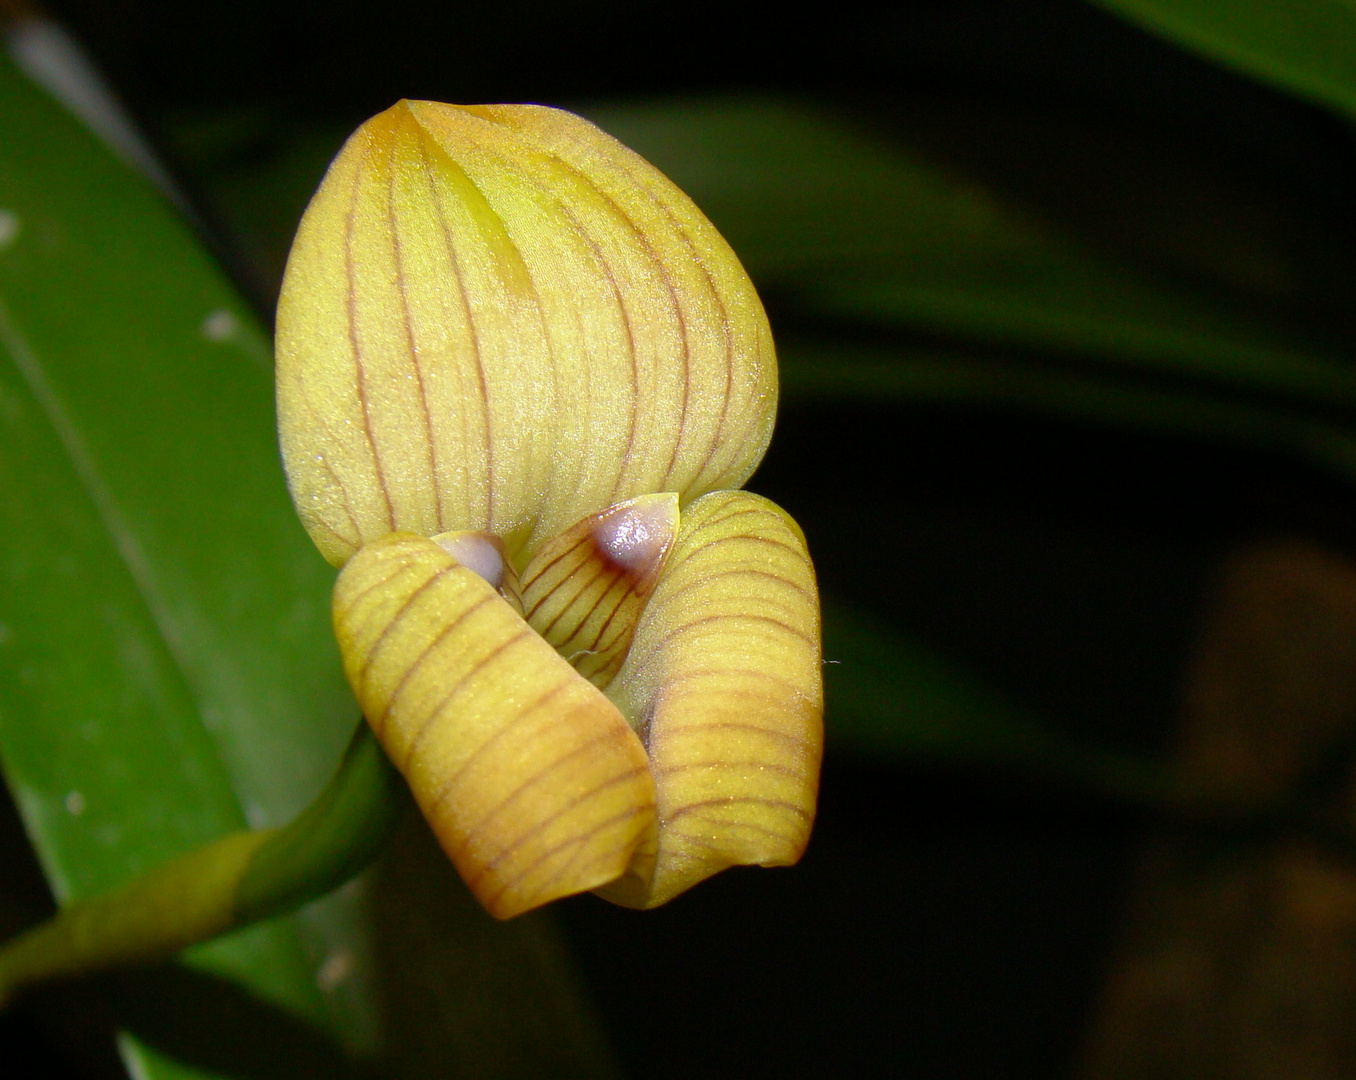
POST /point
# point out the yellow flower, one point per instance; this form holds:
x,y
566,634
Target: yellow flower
x,y
520,380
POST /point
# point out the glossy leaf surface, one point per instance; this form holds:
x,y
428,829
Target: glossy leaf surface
x,y
160,632
167,667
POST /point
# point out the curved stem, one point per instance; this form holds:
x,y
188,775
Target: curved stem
x,y
226,884
331,840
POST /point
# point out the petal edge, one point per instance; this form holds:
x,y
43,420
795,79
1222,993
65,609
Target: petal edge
x,y
724,679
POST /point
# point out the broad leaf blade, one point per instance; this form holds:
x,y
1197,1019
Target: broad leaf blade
x,y
159,386
168,673
167,669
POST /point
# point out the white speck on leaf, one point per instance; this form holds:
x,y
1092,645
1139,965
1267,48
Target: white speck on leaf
x,y
75,803
9,227
256,816
336,968
220,325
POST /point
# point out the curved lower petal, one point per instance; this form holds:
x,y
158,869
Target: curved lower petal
x,y
723,681
531,779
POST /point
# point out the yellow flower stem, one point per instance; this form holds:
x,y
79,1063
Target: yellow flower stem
x,y
229,883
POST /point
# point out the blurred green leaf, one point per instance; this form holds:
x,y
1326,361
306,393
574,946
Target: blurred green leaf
x,y
256,167
167,669
889,696
1307,46
826,371
868,234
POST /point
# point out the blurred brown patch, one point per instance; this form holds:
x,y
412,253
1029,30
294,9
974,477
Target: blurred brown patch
x,y
1240,958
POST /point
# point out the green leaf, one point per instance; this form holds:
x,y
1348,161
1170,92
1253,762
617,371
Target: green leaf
x,y
167,672
1307,46
859,233
816,372
167,669
890,696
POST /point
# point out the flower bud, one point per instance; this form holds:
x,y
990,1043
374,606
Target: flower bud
x,y
520,380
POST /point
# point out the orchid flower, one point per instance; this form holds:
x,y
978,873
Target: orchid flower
x,y
521,379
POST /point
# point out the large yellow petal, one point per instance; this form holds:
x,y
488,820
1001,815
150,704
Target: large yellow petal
x,y
723,681
498,318
532,781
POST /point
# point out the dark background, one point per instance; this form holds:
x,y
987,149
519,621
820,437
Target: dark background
x,y
948,920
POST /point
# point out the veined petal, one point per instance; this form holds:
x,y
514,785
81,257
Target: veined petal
x,y
723,679
499,318
584,590
531,779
